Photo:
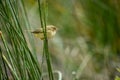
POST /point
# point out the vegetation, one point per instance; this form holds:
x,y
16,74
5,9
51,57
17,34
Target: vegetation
x,y
86,46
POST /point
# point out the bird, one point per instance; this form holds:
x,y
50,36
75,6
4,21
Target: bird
x,y
50,30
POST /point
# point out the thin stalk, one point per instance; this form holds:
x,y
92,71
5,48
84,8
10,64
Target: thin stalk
x,y
12,67
43,19
3,68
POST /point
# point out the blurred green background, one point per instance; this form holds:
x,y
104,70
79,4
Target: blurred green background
x,y
87,43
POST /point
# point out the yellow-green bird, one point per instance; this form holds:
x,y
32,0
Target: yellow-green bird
x,y
50,29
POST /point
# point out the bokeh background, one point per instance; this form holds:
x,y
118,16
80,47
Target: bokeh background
x,y
87,43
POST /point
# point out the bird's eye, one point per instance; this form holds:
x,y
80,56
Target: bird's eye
x,y
54,28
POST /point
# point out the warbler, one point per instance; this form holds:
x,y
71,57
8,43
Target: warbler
x,y
50,30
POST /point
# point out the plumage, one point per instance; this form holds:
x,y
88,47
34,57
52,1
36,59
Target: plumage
x,y
50,29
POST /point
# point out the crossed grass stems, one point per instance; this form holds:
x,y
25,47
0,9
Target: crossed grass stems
x,y
18,62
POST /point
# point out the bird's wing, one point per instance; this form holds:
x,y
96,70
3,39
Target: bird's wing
x,y
37,31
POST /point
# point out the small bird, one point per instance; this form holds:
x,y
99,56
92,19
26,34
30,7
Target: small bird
x,y
50,29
